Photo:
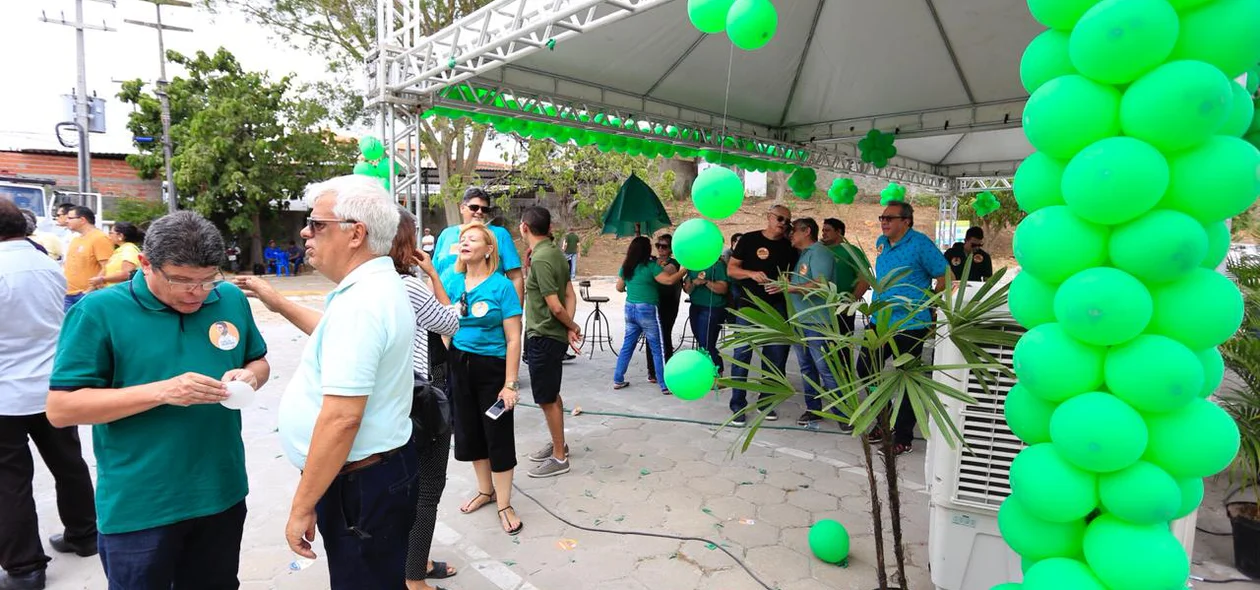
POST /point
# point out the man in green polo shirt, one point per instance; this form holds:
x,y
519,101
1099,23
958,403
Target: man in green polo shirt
x,y
146,362
708,289
549,330
814,269
848,257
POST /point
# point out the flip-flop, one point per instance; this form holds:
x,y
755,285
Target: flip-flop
x,y
489,499
440,571
520,524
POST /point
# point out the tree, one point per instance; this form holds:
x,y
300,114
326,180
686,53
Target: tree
x,y
344,31
138,211
243,145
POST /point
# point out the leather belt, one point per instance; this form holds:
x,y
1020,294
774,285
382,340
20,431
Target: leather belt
x,y
367,461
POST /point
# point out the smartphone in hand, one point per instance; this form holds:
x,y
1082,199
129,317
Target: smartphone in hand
x,y
496,410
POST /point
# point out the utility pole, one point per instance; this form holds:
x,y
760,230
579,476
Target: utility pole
x,y
81,100
172,200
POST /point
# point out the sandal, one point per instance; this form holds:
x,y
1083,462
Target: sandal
x,y
651,379
468,507
440,571
621,385
507,528
900,449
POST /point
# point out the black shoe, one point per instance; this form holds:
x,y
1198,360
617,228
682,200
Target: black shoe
x,y
772,416
739,421
31,581
84,548
568,356
807,419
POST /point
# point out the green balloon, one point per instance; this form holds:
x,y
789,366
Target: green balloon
x,y
1128,556
371,148
1031,300
1051,488
1070,112
1045,59
1218,244
1158,247
1115,180
1027,415
698,243
1154,374
1222,33
1201,310
750,24
1103,306
1224,168
1039,182
1059,14
381,169
1177,105
717,192
1191,496
1055,366
1200,440
690,374
1039,240
1117,41
1183,5
829,541
1037,539
1008,586
1241,113
364,169
1060,573
1213,370
1141,493
1098,432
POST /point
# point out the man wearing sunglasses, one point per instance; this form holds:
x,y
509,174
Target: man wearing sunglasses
x,y
146,362
476,208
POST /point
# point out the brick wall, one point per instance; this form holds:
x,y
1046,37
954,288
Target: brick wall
x,y
112,176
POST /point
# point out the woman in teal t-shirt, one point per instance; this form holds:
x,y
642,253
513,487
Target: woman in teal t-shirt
x,y
484,360
638,279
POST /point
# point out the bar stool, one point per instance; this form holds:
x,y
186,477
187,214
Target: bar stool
x,y
596,329
687,336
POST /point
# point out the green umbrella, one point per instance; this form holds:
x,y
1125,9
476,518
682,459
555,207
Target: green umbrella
x,y
636,205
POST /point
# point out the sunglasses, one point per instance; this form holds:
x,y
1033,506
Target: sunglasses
x,y
463,305
892,217
478,208
780,218
663,246
317,225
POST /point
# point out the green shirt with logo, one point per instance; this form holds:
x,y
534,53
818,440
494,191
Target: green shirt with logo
x,y
815,264
170,463
642,287
846,274
702,295
548,275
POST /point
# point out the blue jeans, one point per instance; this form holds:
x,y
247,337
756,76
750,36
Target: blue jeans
x,y
776,354
365,517
814,367
70,300
200,552
641,320
706,324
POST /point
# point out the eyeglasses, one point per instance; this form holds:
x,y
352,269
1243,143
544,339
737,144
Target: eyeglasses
x,y
317,225
68,217
478,208
892,217
190,286
663,246
779,218
463,305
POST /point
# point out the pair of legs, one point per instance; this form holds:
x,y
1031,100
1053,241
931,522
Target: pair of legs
x,y
490,444
907,342
430,482
572,260
668,311
776,355
706,324
197,553
641,320
814,364
21,551
545,358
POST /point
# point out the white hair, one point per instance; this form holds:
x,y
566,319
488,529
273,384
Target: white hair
x,y
365,200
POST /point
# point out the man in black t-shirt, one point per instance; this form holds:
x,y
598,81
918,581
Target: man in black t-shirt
x,y
970,249
758,259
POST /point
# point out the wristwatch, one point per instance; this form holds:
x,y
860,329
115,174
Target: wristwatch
x,y
513,385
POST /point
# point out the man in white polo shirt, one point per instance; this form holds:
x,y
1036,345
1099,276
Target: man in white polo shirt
x,y
345,416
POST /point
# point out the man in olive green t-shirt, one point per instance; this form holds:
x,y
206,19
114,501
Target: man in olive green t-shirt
x,y
571,252
847,257
549,330
146,362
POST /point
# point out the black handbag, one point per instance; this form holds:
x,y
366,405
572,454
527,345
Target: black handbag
x,y
430,404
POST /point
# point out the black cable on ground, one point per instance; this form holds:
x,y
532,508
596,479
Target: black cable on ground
x,y
1221,581
1219,534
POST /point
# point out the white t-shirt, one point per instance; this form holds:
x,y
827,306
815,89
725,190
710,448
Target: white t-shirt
x,y
426,243
32,295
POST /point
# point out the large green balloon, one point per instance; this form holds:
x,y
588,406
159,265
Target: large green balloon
x,y
1159,247
1051,488
1199,440
1214,181
371,148
1115,180
1154,374
1177,105
1059,14
1141,493
1127,556
829,541
1056,366
1218,244
1039,241
1117,41
698,243
1070,112
1222,33
1039,182
1183,5
1201,310
1031,300
1103,306
690,374
1098,432
1027,415
1241,113
1060,573
751,23
1037,539
1191,496
1045,59
1213,370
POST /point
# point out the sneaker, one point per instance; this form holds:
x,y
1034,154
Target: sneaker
x,y
772,416
739,420
550,468
547,452
899,449
808,419
845,427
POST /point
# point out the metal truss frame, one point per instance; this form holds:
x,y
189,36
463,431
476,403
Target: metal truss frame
x,y
979,184
989,116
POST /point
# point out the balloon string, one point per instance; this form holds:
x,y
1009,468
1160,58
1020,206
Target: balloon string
x,y
726,102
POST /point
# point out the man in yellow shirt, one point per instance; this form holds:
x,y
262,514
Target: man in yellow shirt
x,y
87,255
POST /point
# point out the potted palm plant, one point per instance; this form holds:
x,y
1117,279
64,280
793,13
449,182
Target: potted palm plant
x,y
1242,401
975,324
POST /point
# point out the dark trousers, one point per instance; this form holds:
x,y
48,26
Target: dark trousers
x,y
668,310
908,341
70,300
430,482
191,554
21,551
777,355
706,324
365,518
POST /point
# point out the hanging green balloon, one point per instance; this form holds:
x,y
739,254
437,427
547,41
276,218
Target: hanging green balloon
x,y
986,203
842,191
750,24
690,374
892,193
371,148
876,148
698,243
717,192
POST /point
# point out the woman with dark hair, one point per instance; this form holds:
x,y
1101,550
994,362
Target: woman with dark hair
x,y
127,240
639,278
667,307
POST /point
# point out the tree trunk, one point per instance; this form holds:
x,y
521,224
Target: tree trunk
x,y
877,517
255,239
894,500
685,172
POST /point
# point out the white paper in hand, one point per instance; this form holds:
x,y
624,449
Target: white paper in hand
x,y
240,395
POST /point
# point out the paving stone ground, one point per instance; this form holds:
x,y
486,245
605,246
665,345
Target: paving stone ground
x,y
667,475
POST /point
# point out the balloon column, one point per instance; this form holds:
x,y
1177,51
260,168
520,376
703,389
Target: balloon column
x,y
842,191
375,163
892,192
1136,121
986,203
750,24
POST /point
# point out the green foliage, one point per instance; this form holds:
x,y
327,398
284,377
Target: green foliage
x,y
138,211
1008,216
1242,358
